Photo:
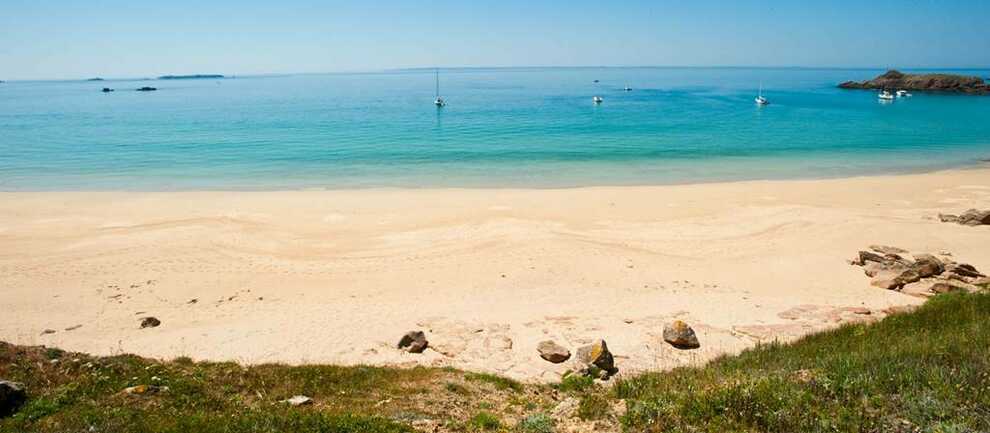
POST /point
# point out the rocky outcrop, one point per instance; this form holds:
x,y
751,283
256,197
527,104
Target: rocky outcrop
x,y
972,217
921,275
680,335
413,342
553,352
146,89
12,396
896,80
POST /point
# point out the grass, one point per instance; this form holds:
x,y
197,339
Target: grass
x,y
536,423
484,421
925,371
498,382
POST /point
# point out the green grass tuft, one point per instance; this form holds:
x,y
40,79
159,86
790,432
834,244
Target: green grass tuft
x,y
484,421
575,383
501,383
536,423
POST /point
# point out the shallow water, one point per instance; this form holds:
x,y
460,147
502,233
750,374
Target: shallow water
x,y
529,127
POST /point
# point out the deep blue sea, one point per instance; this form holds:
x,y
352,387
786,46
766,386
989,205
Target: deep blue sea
x,y
521,127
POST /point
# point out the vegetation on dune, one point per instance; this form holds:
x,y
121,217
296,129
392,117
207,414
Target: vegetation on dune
x,y
924,371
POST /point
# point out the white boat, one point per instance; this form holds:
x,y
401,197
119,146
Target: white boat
x,y
439,102
597,99
628,89
886,96
903,94
760,100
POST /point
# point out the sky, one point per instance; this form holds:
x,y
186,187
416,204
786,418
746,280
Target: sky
x,y
63,39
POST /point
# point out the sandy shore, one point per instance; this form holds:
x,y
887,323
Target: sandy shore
x,y
338,276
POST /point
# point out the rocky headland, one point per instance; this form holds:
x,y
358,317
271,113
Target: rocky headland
x,y
896,80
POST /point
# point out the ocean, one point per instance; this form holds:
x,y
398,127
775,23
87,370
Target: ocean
x,y
512,127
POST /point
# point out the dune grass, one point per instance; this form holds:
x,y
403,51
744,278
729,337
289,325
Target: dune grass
x,y
924,371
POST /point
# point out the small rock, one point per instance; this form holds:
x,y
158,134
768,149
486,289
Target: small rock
x,y
866,256
413,342
886,249
298,400
150,322
680,335
947,286
553,352
596,355
901,309
964,269
12,396
142,390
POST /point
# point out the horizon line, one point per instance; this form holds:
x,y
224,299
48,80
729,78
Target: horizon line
x,y
417,69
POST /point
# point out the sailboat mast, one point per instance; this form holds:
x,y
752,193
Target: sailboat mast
x,y
438,81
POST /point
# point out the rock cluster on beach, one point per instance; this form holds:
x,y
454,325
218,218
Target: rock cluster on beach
x,y
972,217
896,80
592,360
922,275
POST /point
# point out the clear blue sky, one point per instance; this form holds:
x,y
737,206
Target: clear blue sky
x,y
134,38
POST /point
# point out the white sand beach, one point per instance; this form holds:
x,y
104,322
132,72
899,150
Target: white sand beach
x,y
339,276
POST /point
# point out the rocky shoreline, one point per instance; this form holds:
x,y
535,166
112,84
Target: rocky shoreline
x,y
896,80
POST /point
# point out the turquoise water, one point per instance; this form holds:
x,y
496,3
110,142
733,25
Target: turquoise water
x,y
533,127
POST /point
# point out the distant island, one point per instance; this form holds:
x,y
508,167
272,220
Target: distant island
x,y
95,79
896,80
191,77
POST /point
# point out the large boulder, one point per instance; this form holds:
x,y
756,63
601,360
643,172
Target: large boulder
x,y
596,356
413,342
927,265
553,352
680,335
12,396
895,278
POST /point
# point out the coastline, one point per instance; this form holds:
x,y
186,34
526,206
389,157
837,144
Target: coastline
x,y
336,276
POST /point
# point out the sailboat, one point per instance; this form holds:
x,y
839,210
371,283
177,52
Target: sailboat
x,y
760,100
439,102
